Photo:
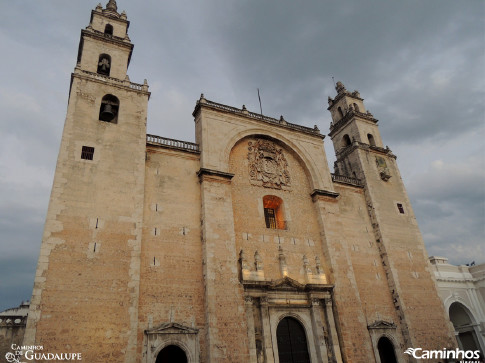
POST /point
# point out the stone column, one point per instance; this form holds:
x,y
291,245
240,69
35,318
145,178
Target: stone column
x,y
267,340
318,327
226,325
333,331
250,319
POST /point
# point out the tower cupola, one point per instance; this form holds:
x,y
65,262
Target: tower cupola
x,y
351,122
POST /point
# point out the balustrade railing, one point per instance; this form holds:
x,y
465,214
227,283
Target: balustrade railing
x,y
172,143
346,180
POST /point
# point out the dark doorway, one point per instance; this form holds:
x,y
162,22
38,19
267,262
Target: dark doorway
x,y
171,354
386,351
292,345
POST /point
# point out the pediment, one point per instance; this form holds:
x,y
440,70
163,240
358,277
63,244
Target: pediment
x,y
381,324
172,328
287,283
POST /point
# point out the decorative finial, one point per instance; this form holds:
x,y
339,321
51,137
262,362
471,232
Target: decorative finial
x,y
258,261
340,88
111,5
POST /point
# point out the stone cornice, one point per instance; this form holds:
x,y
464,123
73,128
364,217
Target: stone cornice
x,y
203,103
286,284
323,193
334,128
203,173
115,82
342,153
449,279
109,39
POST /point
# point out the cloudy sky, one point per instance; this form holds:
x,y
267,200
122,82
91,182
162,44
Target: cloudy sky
x,y
419,65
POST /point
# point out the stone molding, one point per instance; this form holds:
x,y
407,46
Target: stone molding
x,y
215,175
204,103
323,193
114,82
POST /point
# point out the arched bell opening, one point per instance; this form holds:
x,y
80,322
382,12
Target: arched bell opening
x,y
171,354
346,141
372,142
109,109
108,30
340,112
104,64
386,351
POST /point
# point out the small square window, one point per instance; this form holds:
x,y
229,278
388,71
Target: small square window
x,y
400,207
87,153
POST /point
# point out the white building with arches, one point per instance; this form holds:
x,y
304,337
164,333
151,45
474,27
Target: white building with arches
x,y
462,289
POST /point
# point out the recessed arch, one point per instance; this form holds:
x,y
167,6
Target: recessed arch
x,y
109,108
346,140
356,107
372,142
292,341
172,354
315,177
463,322
387,353
273,212
108,30
340,112
104,64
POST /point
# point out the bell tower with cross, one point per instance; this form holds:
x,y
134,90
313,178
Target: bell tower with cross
x,y
92,236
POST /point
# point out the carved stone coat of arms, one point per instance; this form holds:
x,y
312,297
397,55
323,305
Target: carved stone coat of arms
x,y
267,165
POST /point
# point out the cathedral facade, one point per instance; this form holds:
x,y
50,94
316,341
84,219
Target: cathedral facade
x,y
240,247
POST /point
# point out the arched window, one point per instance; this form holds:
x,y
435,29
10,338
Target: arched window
x,y
346,140
372,142
108,111
104,64
462,321
292,344
273,212
171,354
108,30
356,107
341,114
386,350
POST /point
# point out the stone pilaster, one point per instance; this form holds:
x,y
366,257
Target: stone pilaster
x,y
224,302
318,330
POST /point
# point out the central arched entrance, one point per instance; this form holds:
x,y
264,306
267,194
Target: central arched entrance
x,y
386,351
171,354
292,345
462,321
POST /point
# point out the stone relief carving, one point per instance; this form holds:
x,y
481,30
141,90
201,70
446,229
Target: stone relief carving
x,y
267,165
382,168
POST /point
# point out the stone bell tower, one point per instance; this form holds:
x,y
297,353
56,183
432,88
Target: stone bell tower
x,y
87,282
360,154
